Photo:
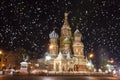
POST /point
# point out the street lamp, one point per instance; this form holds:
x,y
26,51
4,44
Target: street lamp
x,y
90,64
1,60
91,55
0,52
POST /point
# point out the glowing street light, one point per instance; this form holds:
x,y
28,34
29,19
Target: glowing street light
x,y
0,52
3,65
2,57
91,55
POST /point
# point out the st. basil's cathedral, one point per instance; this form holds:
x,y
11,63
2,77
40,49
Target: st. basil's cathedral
x,y
67,51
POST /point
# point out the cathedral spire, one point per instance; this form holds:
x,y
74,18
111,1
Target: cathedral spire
x,y
65,18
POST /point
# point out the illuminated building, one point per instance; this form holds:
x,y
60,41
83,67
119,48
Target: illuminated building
x,y
68,55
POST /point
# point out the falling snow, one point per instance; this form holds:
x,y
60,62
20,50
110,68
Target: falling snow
x,y
27,24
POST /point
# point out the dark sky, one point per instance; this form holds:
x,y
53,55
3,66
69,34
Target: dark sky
x,y
27,24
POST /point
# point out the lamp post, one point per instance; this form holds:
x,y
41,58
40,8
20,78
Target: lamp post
x,y
0,52
1,60
90,56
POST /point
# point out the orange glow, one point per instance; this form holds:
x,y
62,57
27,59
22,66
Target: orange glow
x,y
3,65
91,55
31,67
51,46
0,52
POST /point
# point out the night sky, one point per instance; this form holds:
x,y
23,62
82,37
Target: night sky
x,y
27,24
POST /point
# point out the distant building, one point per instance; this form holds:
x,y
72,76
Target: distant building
x,y
10,60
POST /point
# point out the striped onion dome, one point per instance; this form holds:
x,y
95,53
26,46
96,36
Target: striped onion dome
x,y
53,34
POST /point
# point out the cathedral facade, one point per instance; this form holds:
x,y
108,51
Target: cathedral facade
x,y
68,55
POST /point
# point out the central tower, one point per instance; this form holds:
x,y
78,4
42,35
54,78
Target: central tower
x,y
66,36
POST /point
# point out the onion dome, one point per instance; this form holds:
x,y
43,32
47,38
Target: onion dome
x,y
53,34
67,41
77,33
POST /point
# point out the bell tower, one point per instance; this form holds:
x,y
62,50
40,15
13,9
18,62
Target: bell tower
x,y
78,46
53,47
78,49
